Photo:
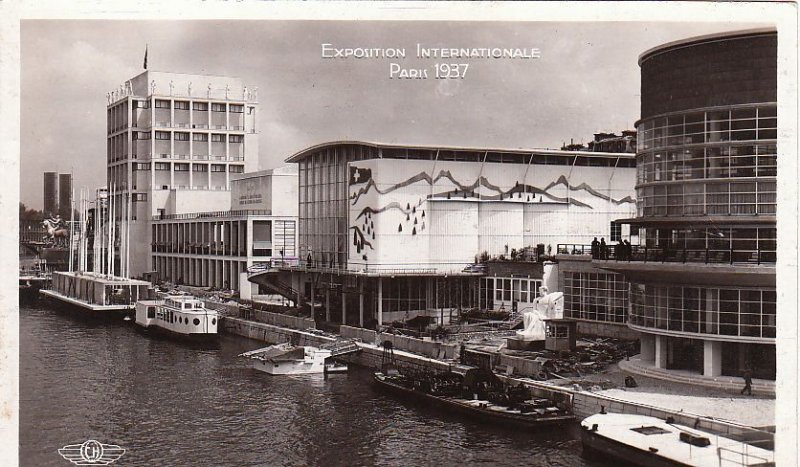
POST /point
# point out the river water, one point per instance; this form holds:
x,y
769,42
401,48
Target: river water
x,y
169,404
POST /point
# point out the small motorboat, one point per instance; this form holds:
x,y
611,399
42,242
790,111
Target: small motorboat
x,y
179,316
287,359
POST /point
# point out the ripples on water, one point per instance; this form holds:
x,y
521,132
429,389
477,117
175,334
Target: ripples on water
x,y
169,404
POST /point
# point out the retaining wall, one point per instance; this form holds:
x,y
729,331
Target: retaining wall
x,y
584,403
432,349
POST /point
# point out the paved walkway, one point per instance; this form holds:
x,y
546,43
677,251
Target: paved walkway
x,y
714,402
727,384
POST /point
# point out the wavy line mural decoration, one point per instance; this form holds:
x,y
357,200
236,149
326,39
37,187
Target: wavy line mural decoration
x,y
392,205
562,180
423,176
361,238
510,194
482,181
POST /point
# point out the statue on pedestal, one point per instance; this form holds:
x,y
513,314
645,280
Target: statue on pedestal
x,y
190,89
153,87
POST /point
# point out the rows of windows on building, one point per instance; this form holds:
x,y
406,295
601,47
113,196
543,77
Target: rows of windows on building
x,y
719,311
178,114
725,159
595,296
508,293
270,238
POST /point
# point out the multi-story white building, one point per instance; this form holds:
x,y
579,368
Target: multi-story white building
x,y
215,248
174,143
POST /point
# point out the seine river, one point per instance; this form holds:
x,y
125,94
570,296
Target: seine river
x,y
168,404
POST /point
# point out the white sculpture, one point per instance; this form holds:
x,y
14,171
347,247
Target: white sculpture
x,y
227,89
108,97
545,306
190,89
244,93
153,87
171,85
208,93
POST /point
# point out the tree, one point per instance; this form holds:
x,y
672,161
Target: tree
x,y
29,214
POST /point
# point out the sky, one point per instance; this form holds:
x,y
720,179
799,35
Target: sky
x,y
585,81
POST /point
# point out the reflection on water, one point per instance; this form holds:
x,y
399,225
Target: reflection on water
x,y
170,404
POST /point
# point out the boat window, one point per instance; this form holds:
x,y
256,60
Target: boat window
x,y
650,430
213,321
196,321
151,312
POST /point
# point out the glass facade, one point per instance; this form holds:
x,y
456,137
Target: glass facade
x,y
595,296
708,162
748,313
323,203
504,291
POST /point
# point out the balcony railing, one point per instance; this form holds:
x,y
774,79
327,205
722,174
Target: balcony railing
x,y
651,254
215,214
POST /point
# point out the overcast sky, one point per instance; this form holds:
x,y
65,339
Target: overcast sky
x,y
586,81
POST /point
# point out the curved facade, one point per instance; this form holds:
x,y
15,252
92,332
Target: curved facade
x,y
706,203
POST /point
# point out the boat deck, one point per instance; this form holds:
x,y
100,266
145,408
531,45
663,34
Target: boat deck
x,y
658,439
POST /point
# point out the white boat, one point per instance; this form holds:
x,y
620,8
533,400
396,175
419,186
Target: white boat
x,y
650,441
182,316
287,359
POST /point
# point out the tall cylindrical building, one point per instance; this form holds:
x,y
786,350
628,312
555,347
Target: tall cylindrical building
x,y
702,282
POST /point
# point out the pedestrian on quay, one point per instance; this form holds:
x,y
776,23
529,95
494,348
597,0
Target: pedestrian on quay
x,y
748,382
603,249
595,248
628,250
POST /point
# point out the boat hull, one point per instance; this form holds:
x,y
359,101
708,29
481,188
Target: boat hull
x,y
77,307
475,413
198,338
294,368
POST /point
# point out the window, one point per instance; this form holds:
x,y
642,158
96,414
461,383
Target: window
x,y
162,165
218,107
162,135
235,138
181,167
202,137
141,104
151,312
616,231
251,110
181,105
216,138
139,197
162,104
236,169
199,167
200,106
141,166
217,168
141,135
196,322
181,136
237,108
